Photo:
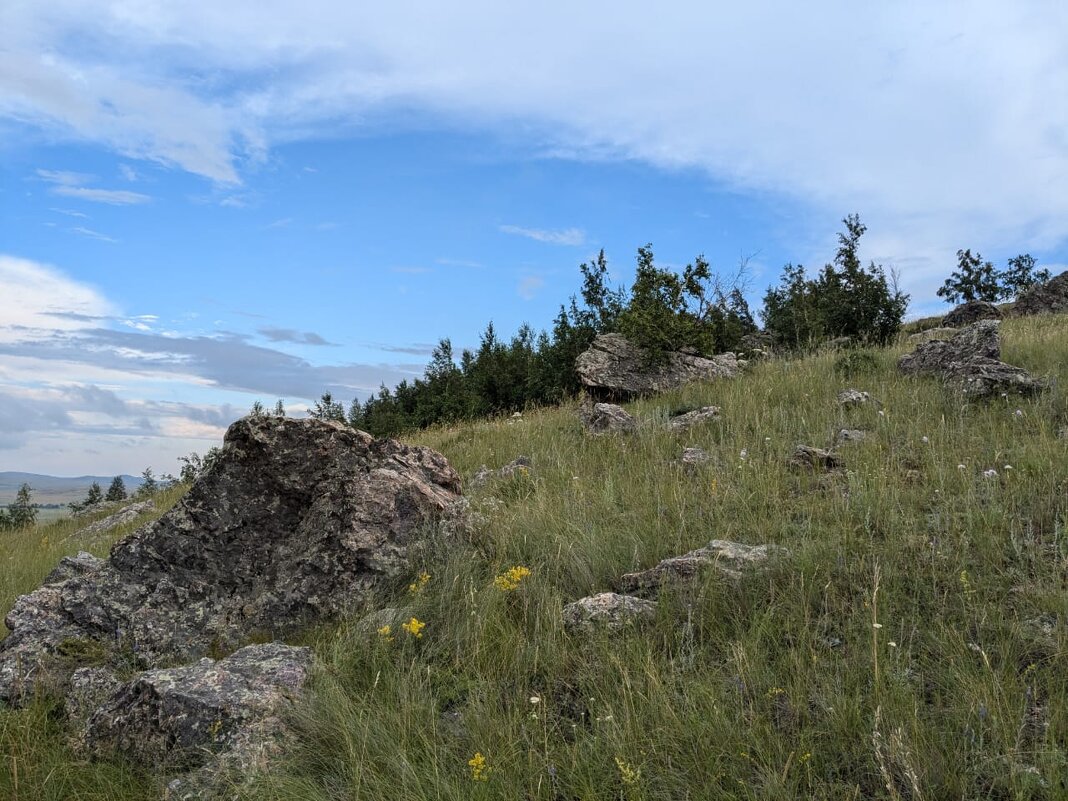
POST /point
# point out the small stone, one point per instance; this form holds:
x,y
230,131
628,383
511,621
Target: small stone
x,y
691,457
806,456
607,610
855,397
683,422
519,465
607,418
850,435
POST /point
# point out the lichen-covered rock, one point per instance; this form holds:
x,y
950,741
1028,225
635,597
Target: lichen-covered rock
x,y
297,522
686,421
613,366
519,465
606,418
810,458
692,457
970,312
607,610
854,397
89,688
730,558
932,333
980,340
218,719
1048,298
850,435
989,378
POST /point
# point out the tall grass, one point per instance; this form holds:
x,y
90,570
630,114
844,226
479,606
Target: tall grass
x,y
909,644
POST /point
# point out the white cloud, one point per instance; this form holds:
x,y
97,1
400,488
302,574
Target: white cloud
x,y
89,232
36,298
940,123
529,286
128,172
568,236
113,197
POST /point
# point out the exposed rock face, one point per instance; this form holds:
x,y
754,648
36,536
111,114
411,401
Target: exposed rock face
x,y
683,422
214,716
850,435
606,418
692,457
120,518
520,465
730,558
614,367
971,312
1048,298
932,333
607,610
296,523
978,341
808,457
970,362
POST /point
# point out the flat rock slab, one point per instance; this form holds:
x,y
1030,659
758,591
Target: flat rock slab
x,y
607,418
808,457
980,340
607,611
686,421
730,558
971,312
614,366
296,523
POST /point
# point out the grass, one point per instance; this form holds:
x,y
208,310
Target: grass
x,y
910,644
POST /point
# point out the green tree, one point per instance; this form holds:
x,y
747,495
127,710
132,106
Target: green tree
x,y
1020,275
257,410
22,513
279,408
116,491
326,408
149,485
974,279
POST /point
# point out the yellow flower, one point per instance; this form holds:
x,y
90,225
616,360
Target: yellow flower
x,y
510,579
627,774
479,769
421,581
414,627
386,633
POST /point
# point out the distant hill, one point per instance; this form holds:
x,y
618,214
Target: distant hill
x,y
56,489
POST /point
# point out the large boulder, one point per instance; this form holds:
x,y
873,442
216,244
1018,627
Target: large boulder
x,y
1048,298
606,418
297,522
615,367
971,311
980,340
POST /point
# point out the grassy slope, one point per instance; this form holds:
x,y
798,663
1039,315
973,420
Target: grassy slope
x,y
734,692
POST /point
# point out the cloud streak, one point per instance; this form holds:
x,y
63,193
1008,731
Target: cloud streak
x,y
574,237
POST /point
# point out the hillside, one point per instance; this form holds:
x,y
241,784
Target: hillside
x,y
56,489
907,642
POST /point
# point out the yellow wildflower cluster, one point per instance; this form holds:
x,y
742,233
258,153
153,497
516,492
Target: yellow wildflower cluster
x,y
386,633
421,581
414,627
627,774
511,578
479,769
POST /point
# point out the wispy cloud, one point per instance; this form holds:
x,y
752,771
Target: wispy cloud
x,y
285,222
529,286
128,172
71,213
568,236
89,232
294,336
72,184
474,265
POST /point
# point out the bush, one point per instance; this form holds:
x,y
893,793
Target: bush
x,y
844,300
855,363
975,279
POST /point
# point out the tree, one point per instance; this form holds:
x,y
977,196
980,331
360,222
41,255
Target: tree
x,y
22,513
1020,275
974,279
149,485
257,410
117,491
326,408
279,408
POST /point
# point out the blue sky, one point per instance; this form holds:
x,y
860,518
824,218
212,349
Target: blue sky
x,y
202,205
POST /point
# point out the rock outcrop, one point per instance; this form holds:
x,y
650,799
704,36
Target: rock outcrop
x,y
296,523
518,466
607,610
971,312
931,333
730,558
606,418
970,362
614,367
807,457
120,518
1048,298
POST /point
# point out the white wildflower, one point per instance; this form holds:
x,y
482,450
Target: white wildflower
x,y
991,473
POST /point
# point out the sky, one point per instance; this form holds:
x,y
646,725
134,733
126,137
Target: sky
x,y
206,204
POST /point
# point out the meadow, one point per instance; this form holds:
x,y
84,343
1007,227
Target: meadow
x,y
908,643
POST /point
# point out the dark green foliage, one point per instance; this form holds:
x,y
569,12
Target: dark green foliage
x,y
975,279
279,408
22,513
149,485
116,491
194,464
94,496
856,363
326,408
846,299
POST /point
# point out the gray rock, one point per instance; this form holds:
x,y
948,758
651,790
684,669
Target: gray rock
x,y
759,343
855,397
810,458
296,523
730,558
850,435
931,333
217,720
691,457
83,563
614,367
980,340
606,418
971,312
521,464
989,378
684,422
607,610
119,518
89,688
1048,298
